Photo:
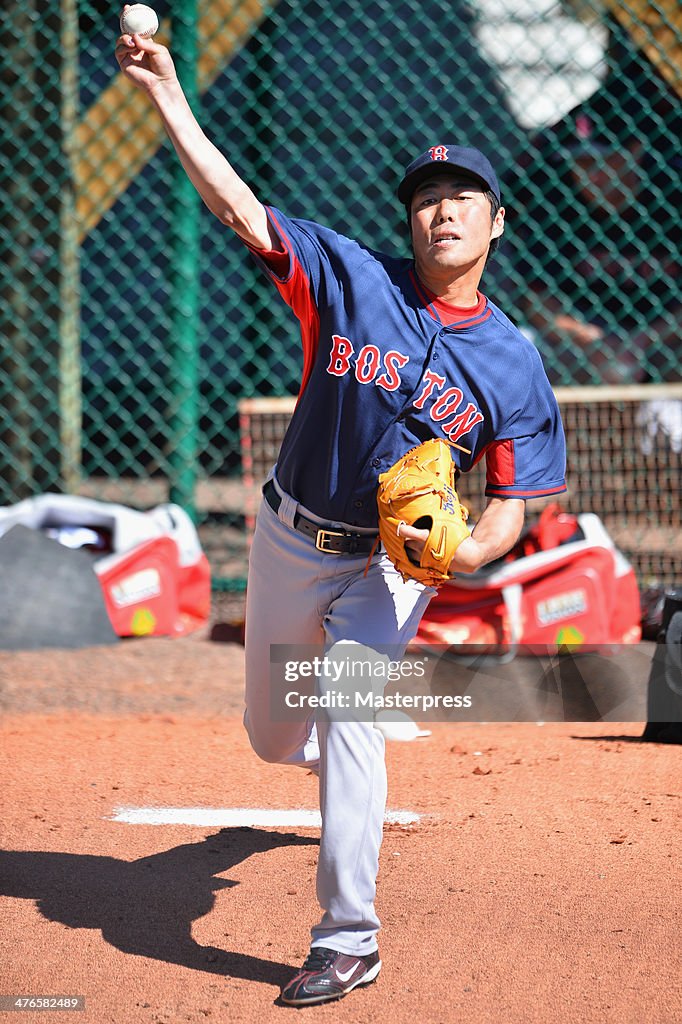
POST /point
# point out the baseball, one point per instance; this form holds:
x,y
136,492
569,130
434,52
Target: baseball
x,y
138,19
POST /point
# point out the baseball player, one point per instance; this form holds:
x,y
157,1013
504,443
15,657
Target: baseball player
x,y
395,351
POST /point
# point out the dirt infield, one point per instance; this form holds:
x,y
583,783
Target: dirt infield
x,y
541,883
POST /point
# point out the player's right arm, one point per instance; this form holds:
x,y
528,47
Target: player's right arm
x,y
149,66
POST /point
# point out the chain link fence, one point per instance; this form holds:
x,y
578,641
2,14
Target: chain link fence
x,y
132,322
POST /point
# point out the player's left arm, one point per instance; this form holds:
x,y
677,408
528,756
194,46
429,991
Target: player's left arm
x,y
494,535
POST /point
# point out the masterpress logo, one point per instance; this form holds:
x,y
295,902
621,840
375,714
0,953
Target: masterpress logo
x,y
358,701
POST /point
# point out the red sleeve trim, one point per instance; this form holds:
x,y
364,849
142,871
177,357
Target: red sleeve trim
x,y
500,463
496,492
293,284
277,260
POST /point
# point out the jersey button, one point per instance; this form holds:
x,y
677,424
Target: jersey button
x,y
376,462
359,504
434,357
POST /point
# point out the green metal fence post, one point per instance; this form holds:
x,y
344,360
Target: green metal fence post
x,y
184,299
70,398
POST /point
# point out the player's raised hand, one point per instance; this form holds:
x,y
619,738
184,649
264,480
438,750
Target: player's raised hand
x,y
146,63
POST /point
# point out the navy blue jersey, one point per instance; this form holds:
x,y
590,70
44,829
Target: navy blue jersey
x,y
382,373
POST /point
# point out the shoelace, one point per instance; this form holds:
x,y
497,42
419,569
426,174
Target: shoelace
x,y
319,958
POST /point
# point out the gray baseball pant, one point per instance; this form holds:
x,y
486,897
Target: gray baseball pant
x,y
297,595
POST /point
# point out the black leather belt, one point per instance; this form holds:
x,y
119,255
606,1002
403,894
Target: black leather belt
x,y
337,542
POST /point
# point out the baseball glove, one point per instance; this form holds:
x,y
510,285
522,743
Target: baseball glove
x,y
419,490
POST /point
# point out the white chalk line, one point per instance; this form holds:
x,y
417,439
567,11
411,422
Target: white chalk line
x,y
238,817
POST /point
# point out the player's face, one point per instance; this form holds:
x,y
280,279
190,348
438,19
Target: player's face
x,y
451,227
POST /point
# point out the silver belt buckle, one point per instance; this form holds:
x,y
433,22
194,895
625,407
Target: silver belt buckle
x,y
322,540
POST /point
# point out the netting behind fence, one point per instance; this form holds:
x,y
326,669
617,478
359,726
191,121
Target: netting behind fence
x,y
132,322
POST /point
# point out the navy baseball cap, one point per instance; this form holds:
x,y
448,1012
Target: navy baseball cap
x,y
448,158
